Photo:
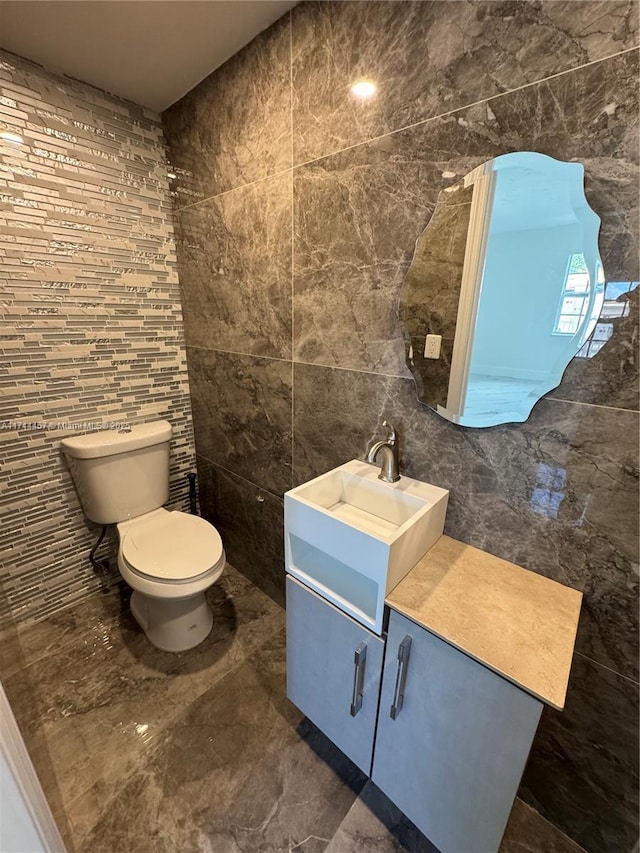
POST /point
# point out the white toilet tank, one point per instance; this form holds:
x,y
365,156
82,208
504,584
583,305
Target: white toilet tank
x,y
120,475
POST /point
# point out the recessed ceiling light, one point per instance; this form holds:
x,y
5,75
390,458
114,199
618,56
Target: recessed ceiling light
x,y
364,89
10,136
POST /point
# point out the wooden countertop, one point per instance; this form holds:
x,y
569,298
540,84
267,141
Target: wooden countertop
x,y
519,624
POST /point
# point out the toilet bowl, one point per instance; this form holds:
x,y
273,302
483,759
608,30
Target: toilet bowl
x,y
169,558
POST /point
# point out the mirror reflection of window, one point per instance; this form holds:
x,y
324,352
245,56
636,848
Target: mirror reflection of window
x,y
614,306
574,301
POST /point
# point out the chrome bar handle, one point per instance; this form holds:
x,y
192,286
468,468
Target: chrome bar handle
x,y
359,658
404,650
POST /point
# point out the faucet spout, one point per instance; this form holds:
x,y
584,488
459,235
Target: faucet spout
x,y
389,470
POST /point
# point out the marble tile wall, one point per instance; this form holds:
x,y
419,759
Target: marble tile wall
x,y
431,291
293,242
91,319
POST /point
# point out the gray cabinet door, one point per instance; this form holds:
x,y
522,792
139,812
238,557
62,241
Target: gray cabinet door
x,y
334,666
451,752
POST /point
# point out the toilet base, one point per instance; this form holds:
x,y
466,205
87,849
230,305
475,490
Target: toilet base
x,y
173,624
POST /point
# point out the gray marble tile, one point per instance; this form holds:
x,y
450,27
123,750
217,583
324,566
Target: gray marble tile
x,y
430,58
24,644
583,769
376,825
431,292
557,494
242,415
92,711
240,770
262,567
431,289
251,523
358,214
528,832
235,126
611,375
234,253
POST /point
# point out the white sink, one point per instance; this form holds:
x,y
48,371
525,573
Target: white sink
x,y
352,537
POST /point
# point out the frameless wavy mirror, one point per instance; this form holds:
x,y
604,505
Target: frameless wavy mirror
x,y
505,287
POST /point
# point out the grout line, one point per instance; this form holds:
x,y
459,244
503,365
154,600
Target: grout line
x,y
462,108
404,127
570,844
277,174
354,370
608,668
591,405
305,363
239,476
388,375
236,352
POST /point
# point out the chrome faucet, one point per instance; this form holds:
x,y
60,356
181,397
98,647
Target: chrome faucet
x,y
389,471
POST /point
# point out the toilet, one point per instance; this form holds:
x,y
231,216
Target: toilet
x,y
168,558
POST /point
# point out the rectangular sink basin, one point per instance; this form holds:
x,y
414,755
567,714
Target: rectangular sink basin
x,y
352,537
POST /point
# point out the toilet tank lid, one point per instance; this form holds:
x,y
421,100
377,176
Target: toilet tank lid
x,y
110,442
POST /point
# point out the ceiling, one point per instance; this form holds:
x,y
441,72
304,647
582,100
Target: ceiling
x,y
149,51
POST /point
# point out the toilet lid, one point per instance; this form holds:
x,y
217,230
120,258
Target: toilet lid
x,y
175,546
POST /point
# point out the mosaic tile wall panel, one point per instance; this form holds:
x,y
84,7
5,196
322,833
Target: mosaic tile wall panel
x,y
91,320
294,346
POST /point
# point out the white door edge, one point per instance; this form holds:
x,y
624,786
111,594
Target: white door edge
x,y
26,821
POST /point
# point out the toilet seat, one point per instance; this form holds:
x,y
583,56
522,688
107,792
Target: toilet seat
x,y
172,547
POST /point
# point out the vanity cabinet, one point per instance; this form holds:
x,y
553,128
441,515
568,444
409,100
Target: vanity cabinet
x,y
440,710
452,740
444,737
334,668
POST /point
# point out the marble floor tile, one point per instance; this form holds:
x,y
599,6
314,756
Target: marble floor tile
x,y
528,832
557,494
429,58
235,126
242,415
92,712
235,767
240,770
234,253
376,825
22,645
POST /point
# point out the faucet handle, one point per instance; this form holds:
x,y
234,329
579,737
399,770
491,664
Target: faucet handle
x,y
392,437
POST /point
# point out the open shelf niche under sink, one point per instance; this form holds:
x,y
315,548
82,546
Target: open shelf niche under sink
x,y
352,537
